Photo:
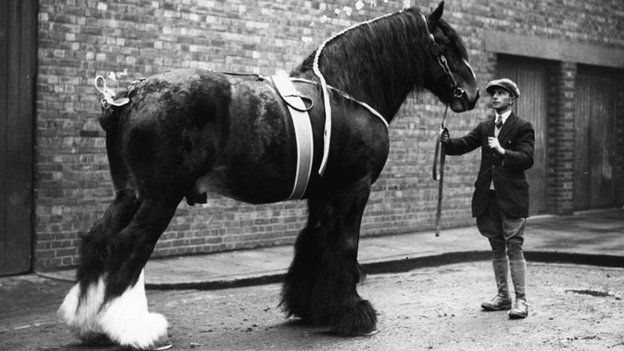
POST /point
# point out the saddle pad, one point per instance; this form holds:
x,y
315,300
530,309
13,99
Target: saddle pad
x,y
303,133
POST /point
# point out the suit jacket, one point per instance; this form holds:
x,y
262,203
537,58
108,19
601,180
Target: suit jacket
x,y
517,137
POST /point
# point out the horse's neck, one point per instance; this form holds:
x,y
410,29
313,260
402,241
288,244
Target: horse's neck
x,y
382,81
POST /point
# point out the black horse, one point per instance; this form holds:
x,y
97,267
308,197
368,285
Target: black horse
x,y
185,133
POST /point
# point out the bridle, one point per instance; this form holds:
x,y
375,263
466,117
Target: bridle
x,y
458,92
440,152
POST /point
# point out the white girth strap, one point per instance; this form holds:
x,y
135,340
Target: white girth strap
x,y
303,133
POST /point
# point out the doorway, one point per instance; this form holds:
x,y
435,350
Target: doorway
x,y
595,148
532,79
18,57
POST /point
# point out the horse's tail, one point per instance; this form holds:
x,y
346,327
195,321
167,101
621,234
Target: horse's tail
x,y
110,122
93,244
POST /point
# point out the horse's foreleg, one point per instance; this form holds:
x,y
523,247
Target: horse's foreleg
x,y
320,285
114,304
341,273
300,278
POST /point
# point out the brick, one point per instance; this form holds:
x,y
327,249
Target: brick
x,y
79,39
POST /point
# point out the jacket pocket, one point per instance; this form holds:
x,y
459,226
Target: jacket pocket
x,y
521,183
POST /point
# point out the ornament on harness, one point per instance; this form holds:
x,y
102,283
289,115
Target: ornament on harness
x,y
108,95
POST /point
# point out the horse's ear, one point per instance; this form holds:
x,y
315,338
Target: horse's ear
x,y
434,17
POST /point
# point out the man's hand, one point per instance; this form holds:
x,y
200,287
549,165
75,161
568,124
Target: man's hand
x,y
444,135
494,144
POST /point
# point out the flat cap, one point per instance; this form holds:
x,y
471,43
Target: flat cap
x,y
504,83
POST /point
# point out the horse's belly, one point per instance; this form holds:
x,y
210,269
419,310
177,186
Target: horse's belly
x,y
257,161
250,187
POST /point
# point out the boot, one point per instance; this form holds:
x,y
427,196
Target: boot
x,y
501,301
518,274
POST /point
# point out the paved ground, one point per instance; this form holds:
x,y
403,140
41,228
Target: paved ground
x,y
429,301
595,237
572,307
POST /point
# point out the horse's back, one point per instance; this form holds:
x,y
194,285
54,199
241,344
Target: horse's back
x,y
230,131
232,135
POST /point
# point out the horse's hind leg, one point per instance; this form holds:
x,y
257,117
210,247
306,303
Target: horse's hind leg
x,y
320,285
114,303
84,298
88,294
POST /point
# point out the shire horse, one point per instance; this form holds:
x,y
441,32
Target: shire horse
x,y
184,133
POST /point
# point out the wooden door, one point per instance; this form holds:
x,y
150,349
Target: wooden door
x,y
17,72
532,80
594,151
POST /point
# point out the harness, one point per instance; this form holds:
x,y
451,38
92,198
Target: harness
x,y
303,132
440,153
301,121
324,86
298,112
108,95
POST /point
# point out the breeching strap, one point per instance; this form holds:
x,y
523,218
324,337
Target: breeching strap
x,y
440,155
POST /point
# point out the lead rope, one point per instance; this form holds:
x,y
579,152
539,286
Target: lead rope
x,y
440,153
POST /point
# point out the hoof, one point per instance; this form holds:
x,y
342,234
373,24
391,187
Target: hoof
x,y
357,318
370,333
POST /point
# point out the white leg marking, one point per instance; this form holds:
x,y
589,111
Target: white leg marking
x,y
124,319
127,321
82,319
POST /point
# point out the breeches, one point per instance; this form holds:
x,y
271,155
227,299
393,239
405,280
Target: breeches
x,y
506,234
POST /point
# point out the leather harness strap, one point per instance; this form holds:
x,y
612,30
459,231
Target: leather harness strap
x,y
303,133
440,155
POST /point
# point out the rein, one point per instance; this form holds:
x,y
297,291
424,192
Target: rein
x,y
440,155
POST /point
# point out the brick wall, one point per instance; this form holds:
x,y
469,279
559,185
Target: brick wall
x,y
560,124
133,38
619,140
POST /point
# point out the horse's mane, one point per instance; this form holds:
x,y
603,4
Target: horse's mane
x,y
375,54
389,52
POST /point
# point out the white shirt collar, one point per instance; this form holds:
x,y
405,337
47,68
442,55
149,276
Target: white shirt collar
x,y
505,115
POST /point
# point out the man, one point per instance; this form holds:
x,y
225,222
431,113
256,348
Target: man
x,y
501,198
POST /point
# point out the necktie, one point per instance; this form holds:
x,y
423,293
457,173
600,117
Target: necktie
x,y
499,121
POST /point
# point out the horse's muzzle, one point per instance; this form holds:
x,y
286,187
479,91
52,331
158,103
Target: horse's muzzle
x,y
462,102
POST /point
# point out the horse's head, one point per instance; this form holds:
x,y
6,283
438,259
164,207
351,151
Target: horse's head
x,y
451,78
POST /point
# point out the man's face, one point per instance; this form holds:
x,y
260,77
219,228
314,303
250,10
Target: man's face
x,y
502,99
